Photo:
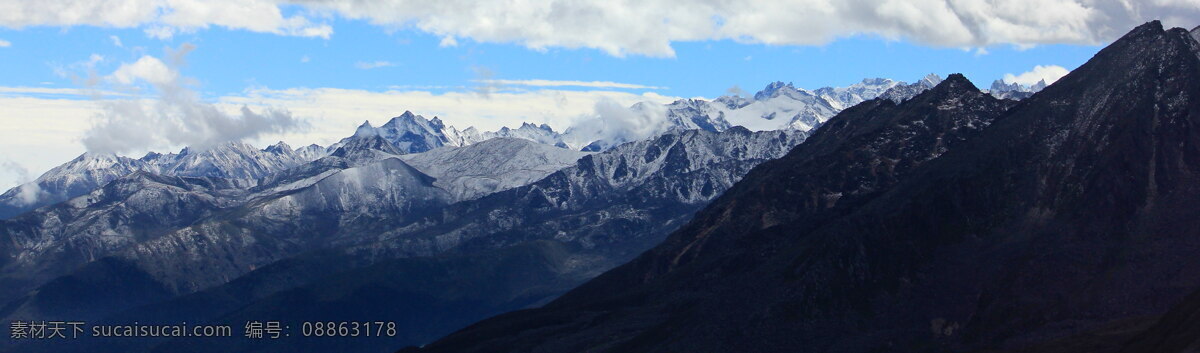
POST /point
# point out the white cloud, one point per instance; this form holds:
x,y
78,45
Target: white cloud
x,y
373,64
80,92
161,18
650,27
613,120
334,112
176,116
49,130
558,83
40,132
646,27
1050,73
5,43
448,41
147,68
28,192
116,41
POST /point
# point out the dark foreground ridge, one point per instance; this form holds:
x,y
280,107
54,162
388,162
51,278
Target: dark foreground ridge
x,y
946,223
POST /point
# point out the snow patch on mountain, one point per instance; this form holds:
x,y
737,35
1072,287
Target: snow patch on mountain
x,y
1015,91
486,167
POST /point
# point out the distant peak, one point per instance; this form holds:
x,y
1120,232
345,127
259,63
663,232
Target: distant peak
x,y
932,79
358,145
773,89
957,78
278,147
955,82
97,156
365,130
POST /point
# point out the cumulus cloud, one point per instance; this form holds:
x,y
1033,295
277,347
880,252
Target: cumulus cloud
x,y
161,18
373,64
28,192
176,117
147,68
613,121
646,27
342,109
116,41
558,83
5,43
1050,73
649,27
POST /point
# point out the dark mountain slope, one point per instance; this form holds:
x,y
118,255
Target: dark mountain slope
x,y
1076,209
606,209
51,241
345,196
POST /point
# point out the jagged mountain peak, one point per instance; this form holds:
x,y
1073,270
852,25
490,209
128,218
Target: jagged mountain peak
x,y
492,165
279,147
97,160
931,79
1001,86
875,81
955,82
408,118
367,146
775,89
366,129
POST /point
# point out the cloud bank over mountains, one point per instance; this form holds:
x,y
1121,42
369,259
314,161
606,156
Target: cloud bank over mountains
x,y
175,115
647,27
1048,73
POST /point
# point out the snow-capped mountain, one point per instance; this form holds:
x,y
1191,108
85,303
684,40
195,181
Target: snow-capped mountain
x,y
783,106
132,208
76,177
90,171
493,165
844,97
311,152
1015,91
233,160
778,106
537,133
609,193
524,245
412,133
902,92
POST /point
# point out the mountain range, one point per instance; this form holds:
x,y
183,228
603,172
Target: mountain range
x,y
882,216
146,241
950,222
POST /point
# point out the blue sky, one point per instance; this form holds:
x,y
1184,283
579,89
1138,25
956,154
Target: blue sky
x,y
230,61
